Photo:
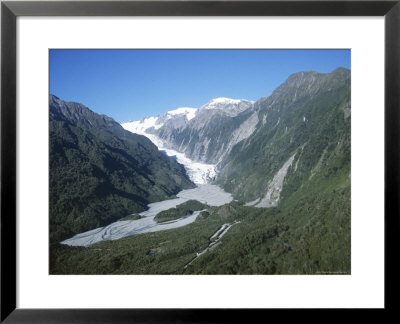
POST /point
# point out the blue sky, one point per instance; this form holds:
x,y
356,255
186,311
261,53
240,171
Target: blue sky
x,y
132,84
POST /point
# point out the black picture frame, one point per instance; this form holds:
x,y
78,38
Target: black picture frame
x,y
10,10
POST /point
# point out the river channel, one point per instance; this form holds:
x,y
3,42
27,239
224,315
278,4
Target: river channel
x,y
206,193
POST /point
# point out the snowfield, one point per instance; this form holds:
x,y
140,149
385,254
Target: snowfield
x,y
209,194
140,126
216,102
189,112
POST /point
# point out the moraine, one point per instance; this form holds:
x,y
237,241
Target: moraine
x,y
206,193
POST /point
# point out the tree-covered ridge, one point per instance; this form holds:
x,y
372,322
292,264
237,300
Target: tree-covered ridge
x,y
309,117
182,210
99,172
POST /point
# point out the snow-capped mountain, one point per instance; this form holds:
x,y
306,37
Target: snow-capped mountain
x,y
230,107
179,117
204,135
199,137
148,123
188,112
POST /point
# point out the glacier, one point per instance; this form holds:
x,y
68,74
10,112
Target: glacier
x,y
199,173
182,119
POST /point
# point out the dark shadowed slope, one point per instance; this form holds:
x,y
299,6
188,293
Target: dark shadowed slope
x,y
99,172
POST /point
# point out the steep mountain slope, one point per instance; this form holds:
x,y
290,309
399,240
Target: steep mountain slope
x,y
257,147
100,172
204,135
304,127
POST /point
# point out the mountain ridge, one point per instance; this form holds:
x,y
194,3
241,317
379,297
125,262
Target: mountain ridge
x,y
100,172
177,132
212,137
291,118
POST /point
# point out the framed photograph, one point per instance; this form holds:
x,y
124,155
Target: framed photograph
x,y
194,158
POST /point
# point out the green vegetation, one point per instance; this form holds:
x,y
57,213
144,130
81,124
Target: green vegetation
x,y
131,217
307,233
99,172
185,209
310,235
302,120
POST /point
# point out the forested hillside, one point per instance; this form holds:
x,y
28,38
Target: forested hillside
x,y
305,123
99,172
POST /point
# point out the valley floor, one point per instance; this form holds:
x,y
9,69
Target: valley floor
x,y
199,173
208,194
307,234
311,235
